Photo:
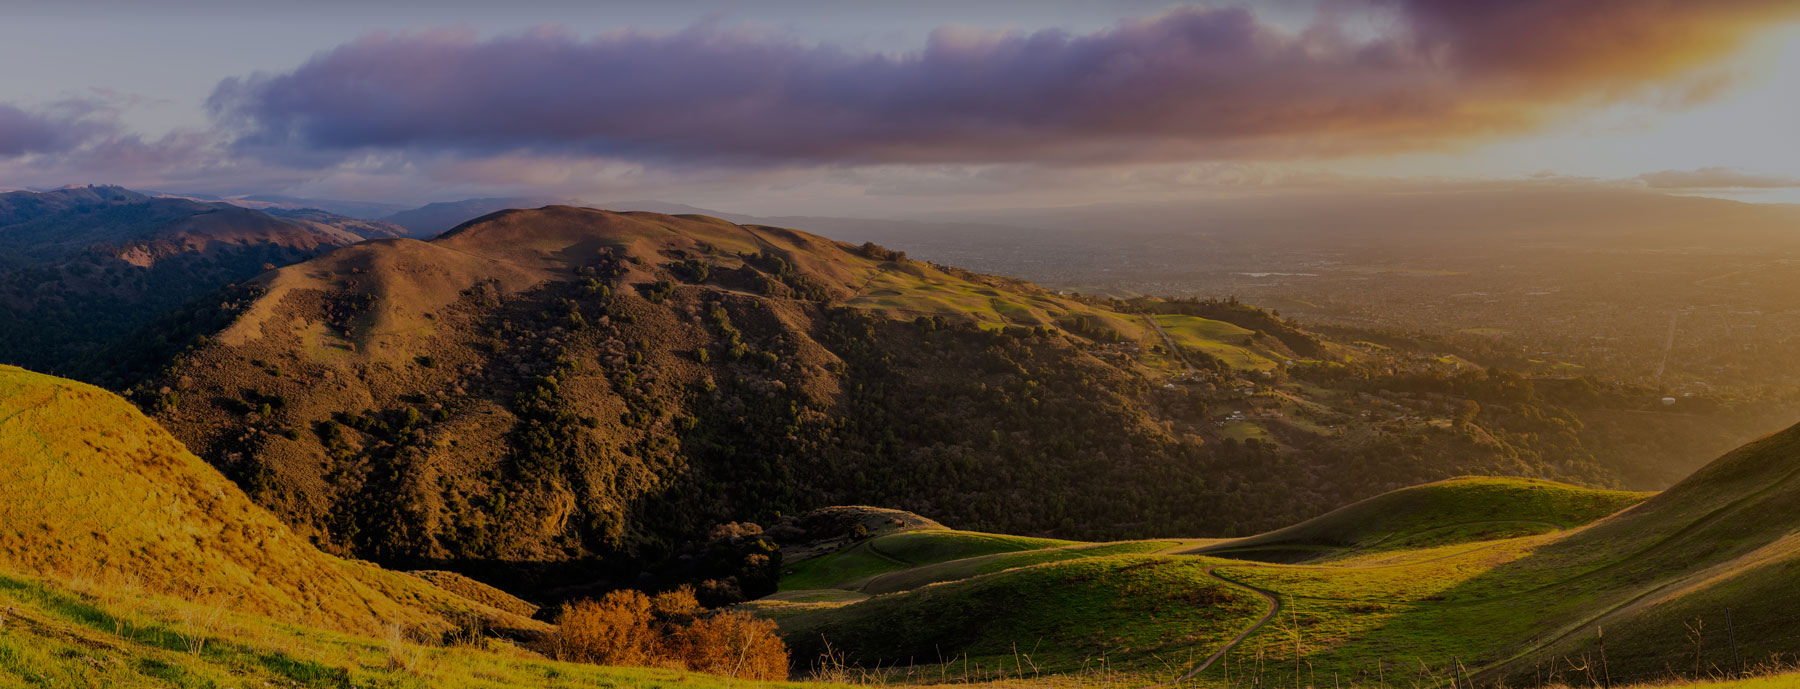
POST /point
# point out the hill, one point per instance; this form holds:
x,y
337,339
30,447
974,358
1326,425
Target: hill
x,y
84,267
537,389
1694,582
1710,565
326,221
1452,510
61,634
363,210
92,490
975,598
432,219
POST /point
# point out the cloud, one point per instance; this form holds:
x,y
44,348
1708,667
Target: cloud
x,y
1189,84
1716,178
56,128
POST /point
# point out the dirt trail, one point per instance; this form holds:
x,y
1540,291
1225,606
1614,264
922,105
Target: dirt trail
x,y
1275,602
1170,342
1274,609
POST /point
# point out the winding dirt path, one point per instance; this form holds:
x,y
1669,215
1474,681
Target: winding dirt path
x,y
1274,599
1274,609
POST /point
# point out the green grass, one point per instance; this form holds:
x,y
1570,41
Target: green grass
x,y
1203,328
1455,570
1229,343
1245,430
1475,501
896,552
1058,616
964,568
1781,681
918,290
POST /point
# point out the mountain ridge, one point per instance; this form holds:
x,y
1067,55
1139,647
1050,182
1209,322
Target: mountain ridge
x,y
83,267
541,388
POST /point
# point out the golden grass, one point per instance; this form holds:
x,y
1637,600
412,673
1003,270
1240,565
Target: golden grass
x,y
92,490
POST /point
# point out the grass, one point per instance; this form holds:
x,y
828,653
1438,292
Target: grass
x,y
922,290
1501,578
1245,430
964,568
1224,341
1473,501
93,489
107,636
1489,577
900,551
1057,616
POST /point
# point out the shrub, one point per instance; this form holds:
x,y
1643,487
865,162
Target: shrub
x,y
733,644
677,607
669,630
614,630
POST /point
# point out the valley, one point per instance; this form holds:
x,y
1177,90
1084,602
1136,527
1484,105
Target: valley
x,y
542,406
1549,281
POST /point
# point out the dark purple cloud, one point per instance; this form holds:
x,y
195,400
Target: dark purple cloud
x,y
1189,83
55,129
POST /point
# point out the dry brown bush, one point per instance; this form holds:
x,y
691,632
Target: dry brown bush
x,y
614,630
628,628
677,607
732,644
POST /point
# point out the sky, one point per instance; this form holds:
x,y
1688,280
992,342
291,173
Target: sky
x,y
863,108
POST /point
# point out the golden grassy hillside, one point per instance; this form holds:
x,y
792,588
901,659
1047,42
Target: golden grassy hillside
x,y
90,488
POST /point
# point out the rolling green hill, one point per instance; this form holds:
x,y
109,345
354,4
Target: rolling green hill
x,y
894,552
1433,584
1453,510
1048,597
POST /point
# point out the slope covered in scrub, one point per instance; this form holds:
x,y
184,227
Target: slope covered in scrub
x,y
91,489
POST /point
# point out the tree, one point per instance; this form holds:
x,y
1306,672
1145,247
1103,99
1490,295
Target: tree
x,y
1470,409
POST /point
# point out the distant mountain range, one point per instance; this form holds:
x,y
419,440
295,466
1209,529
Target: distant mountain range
x,y
84,266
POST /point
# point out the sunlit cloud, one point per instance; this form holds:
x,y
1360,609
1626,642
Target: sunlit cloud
x,y
1190,84
1192,100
